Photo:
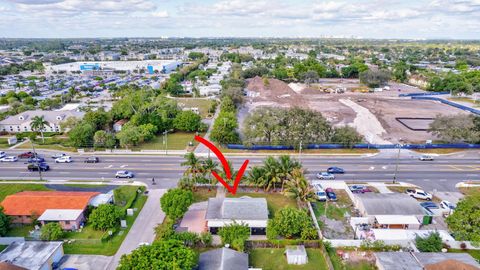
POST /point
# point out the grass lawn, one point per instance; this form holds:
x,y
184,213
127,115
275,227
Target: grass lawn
x,y
335,210
474,253
176,141
274,259
275,201
57,147
4,143
202,104
202,194
306,151
465,99
20,231
8,189
398,189
439,151
2,247
94,245
469,190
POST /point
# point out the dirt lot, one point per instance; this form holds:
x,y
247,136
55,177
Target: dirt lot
x,y
373,114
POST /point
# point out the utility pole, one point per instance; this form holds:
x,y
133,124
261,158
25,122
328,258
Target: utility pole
x,y
165,140
36,161
396,165
300,152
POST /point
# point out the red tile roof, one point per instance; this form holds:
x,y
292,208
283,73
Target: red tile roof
x,y
27,202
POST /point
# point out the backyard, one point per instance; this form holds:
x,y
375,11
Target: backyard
x,y
275,201
332,216
274,259
202,104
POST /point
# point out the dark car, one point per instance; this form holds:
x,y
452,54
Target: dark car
x,y
429,205
36,159
38,166
359,189
330,194
335,170
26,155
92,160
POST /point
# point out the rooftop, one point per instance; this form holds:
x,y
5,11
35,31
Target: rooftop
x,y
244,208
27,203
390,204
30,254
54,117
419,261
60,214
223,259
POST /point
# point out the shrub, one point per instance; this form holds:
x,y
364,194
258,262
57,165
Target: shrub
x,y
235,235
290,222
430,243
176,202
106,216
51,232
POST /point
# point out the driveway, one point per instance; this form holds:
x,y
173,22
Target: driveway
x,y
143,230
85,262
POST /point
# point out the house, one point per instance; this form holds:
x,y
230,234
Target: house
x,y
223,259
250,211
33,255
21,122
390,210
117,126
25,206
69,219
421,261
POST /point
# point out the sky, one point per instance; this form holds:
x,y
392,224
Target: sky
x,y
409,19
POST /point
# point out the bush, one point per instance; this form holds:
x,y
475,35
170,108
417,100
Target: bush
x,y
235,235
106,216
430,243
4,223
206,239
176,202
290,222
51,232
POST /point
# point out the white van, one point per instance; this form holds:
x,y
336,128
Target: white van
x,y
320,193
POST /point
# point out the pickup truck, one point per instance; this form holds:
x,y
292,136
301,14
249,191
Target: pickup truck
x,y
419,194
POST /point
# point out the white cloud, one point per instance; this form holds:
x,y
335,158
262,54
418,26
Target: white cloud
x,y
160,14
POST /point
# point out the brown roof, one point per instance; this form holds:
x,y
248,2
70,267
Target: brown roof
x,y
9,266
121,122
450,265
28,202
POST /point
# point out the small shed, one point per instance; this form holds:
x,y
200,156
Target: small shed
x,y
296,255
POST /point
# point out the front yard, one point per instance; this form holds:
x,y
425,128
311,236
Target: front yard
x,y
175,141
9,189
274,259
275,201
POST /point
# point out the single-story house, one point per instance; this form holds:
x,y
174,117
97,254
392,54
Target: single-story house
x,y
25,206
250,211
69,219
223,259
33,255
21,122
117,126
390,210
422,261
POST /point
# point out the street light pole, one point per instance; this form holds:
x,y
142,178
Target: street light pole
x,y
300,152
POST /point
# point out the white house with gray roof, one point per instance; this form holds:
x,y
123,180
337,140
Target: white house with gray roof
x,y
21,122
223,259
250,211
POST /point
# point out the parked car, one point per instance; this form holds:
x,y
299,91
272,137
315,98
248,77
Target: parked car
x,y
92,160
330,194
335,170
419,194
425,158
58,155
64,159
320,193
38,166
429,205
447,205
359,189
2,154
26,155
325,176
36,159
9,159
124,174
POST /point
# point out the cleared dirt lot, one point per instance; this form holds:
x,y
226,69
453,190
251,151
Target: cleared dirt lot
x,y
385,106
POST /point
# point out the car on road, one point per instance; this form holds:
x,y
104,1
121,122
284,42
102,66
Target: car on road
x,y
426,158
36,159
64,159
325,176
92,160
447,205
359,189
320,193
58,155
124,174
9,159
429,205
331,194
419,194
38,166
27,155
2,154
335,170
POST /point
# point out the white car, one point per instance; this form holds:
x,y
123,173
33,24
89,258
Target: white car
x,y
124,174
447,205
325,176
2,154
425,158
59,155
64,159
419,194
320,193
9,159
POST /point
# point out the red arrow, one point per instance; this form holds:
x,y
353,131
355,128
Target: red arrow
x,y
225,165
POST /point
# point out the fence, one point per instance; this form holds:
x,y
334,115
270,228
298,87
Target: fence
x,y
424,94
4,241
357,146
453,104
358,243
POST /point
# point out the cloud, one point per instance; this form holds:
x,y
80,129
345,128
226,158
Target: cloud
x,y
36,2
160,14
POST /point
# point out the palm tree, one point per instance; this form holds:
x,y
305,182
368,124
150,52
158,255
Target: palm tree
x,y
256,177
207,167
194,166
286,167
298,187
38,124
272,173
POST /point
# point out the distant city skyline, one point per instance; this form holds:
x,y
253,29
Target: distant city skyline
x,y
382,19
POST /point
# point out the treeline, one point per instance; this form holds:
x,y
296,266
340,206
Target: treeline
x,y
466,82
292,126
456,128
172,85
236,57
17,68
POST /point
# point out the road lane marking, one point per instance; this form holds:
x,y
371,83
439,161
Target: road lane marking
x,y
102,173
64,172
110,160
123,166
109,166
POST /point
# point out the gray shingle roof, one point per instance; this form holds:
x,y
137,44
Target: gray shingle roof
x,y
417,260
244,208
223,259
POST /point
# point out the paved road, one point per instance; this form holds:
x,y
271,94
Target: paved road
x,y
441,174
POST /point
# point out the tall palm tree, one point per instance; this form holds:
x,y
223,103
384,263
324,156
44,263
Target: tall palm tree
x,y
286,166
297,187
207,167
38,124
256,177
272,173
194,166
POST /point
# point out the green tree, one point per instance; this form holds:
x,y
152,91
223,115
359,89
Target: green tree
x,y
100,138
463,222
298,187
99,119
105,216
176,202
374,78
290,222
235,235
38,124
430,243
162,255
455,128
346,136
130,135
81,135
51,232
400,71
187,121
4,223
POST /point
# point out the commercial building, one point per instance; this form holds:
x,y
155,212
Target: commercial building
x,y
21,122
150,66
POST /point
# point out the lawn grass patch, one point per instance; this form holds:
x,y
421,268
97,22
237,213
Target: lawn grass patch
x,y
20,230
469,190
440,151
203,194
8,189
399,189
176,141
274,259
474,253
275,201
354,151
2,247
202,104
